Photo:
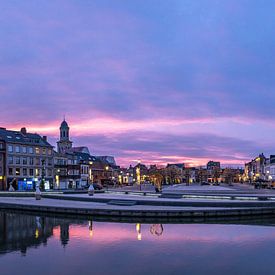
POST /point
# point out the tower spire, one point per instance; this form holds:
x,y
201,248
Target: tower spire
x,y
64,142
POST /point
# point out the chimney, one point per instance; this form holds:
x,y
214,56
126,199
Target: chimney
x,y
45,138
23,131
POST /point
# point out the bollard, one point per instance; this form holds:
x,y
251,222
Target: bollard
x,y
37,193
91,190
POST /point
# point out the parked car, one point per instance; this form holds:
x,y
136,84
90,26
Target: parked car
x,y
97,186
205,183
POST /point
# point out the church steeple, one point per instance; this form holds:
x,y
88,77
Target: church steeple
x,y
64,131
64,143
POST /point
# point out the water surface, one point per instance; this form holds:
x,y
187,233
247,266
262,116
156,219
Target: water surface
x,y
53,245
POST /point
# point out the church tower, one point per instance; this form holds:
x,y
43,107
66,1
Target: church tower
x,y
64,144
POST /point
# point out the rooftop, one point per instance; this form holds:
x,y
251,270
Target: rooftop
x,y
22,136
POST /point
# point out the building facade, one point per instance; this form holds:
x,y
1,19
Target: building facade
x,y
2,164
255,169
27,158
76,168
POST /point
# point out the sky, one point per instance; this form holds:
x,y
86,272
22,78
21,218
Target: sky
x,y
160,81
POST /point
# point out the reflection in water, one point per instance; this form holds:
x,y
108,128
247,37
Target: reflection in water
x,y
156,229
91,229
71,246
138,229
19,232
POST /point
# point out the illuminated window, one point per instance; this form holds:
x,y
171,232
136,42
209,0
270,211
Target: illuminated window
x,y
37,150
44,151
37,172
17,171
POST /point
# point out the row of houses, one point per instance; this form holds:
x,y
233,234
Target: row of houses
x,y
177,173
26,158
260,168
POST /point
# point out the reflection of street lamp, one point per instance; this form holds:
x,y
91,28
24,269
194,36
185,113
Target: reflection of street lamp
x,y
91,229
138,229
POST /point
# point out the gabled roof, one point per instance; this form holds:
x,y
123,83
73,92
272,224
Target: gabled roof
x,y
84,156
179,165
10,136
80,149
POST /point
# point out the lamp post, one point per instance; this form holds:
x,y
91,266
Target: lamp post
x,y
42,184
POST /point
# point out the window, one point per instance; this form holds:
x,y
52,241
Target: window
x,y
30,150
37,150
31,172
37,172
17,149
24,172
50,152
24,160
1,145
17,171
17,160
50,173
37,161
44,151
10,160
24,150
50,163
31,161
10,148
10,171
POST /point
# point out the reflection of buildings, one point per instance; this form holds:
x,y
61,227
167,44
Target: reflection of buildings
x,y
64,233
18,232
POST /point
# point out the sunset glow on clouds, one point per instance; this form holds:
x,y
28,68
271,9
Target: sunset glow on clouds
x,y
156,81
